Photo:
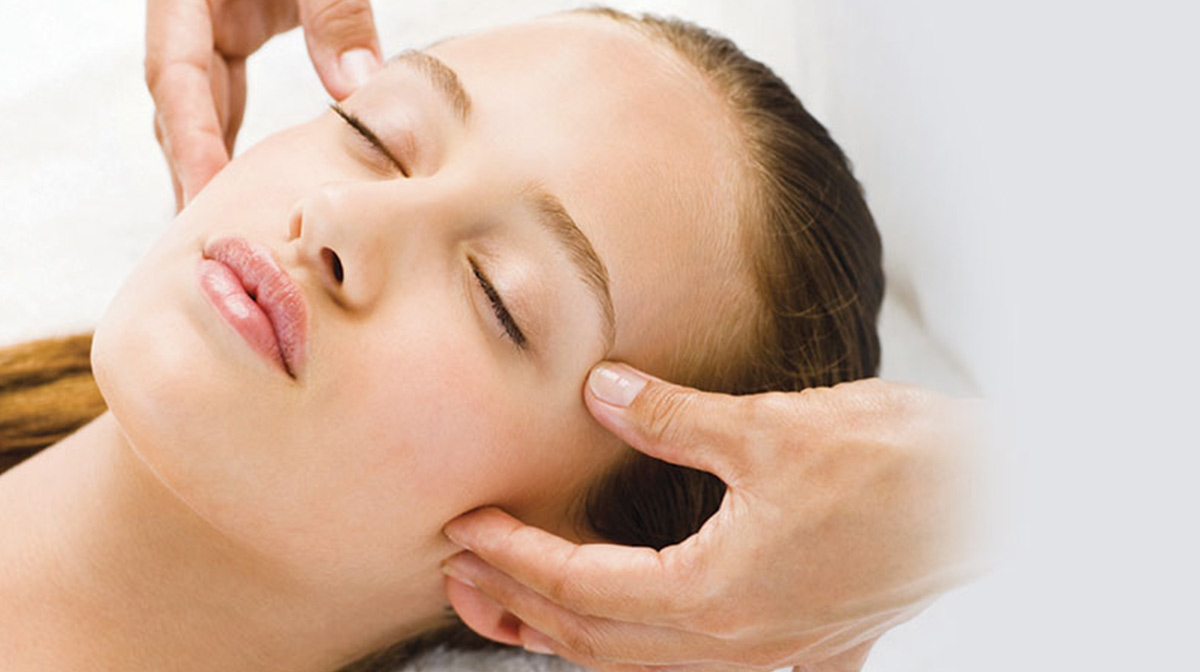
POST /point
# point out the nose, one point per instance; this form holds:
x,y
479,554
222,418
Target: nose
x,y
341,245
334,262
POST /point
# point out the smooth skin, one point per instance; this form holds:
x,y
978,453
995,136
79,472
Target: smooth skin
x,y
227,514
846,512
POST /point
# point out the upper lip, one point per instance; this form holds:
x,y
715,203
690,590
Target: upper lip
x,y
272,289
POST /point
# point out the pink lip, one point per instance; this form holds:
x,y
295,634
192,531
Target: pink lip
x,y
257,298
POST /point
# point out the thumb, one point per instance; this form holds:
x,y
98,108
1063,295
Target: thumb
x,y
342,42
678,424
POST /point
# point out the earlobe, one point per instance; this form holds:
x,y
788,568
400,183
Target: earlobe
x,y
482,615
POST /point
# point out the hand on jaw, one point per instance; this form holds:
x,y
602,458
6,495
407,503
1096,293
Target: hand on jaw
x,y
846,514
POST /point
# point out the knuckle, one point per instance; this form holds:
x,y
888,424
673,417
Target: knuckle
x,y
160,76
769,404
759,428
563,589
760,417
338,17
885,397
686,603
157,74
903,397
665,414
152,70
581,638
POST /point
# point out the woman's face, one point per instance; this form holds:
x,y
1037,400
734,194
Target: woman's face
x,y
530,163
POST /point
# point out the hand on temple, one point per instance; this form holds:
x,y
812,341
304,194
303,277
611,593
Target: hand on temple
x,y
196,54
848,510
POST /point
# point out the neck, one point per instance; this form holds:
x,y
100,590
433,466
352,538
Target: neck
x,y
101,567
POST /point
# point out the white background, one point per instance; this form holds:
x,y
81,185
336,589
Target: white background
x,y
1033,169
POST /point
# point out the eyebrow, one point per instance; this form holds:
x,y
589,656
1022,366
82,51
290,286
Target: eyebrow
x,y
551,214
555,219
444,80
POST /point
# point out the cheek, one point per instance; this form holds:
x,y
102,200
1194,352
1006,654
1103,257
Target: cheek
x,y
450,430
207,417
422,424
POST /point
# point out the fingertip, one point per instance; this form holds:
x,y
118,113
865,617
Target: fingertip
x,y
342,42
194,178
536,642
355,67
481,613
469,529
609,391
455,568
616,384
624,400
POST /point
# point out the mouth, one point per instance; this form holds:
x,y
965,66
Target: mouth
x,y
258,299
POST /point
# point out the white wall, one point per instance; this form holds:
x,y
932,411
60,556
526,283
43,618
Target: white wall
x,y
1050,147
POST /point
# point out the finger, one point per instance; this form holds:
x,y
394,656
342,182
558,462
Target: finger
x,y
229,95
488,619
177,190
638,585
851,660
537,642
194,153
677,424
176,187
482,614
342,42
179,51
194,145
570,634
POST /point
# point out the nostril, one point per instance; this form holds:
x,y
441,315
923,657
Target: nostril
x,y
335,264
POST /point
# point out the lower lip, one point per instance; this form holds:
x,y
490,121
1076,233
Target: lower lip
x,y
224,290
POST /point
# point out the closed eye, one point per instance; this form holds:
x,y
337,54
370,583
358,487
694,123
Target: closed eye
x,y
511,329
368,135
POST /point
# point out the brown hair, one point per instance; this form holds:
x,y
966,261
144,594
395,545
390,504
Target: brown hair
x,y
818,283
818,272
46,392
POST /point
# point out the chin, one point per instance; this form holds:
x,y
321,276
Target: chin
x,y
157,369
142,372
190,407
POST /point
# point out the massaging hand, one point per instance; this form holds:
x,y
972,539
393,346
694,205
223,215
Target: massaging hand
x,y
196,54
846,514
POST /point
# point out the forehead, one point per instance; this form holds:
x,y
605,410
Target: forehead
x,y
639,149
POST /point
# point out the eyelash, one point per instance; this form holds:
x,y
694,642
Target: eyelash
x,y
506,319
367,134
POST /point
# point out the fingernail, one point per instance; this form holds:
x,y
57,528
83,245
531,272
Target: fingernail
x,y
536,642
455,535
450,569
614,385
357,66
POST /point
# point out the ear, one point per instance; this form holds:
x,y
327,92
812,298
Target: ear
x,y
482,615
